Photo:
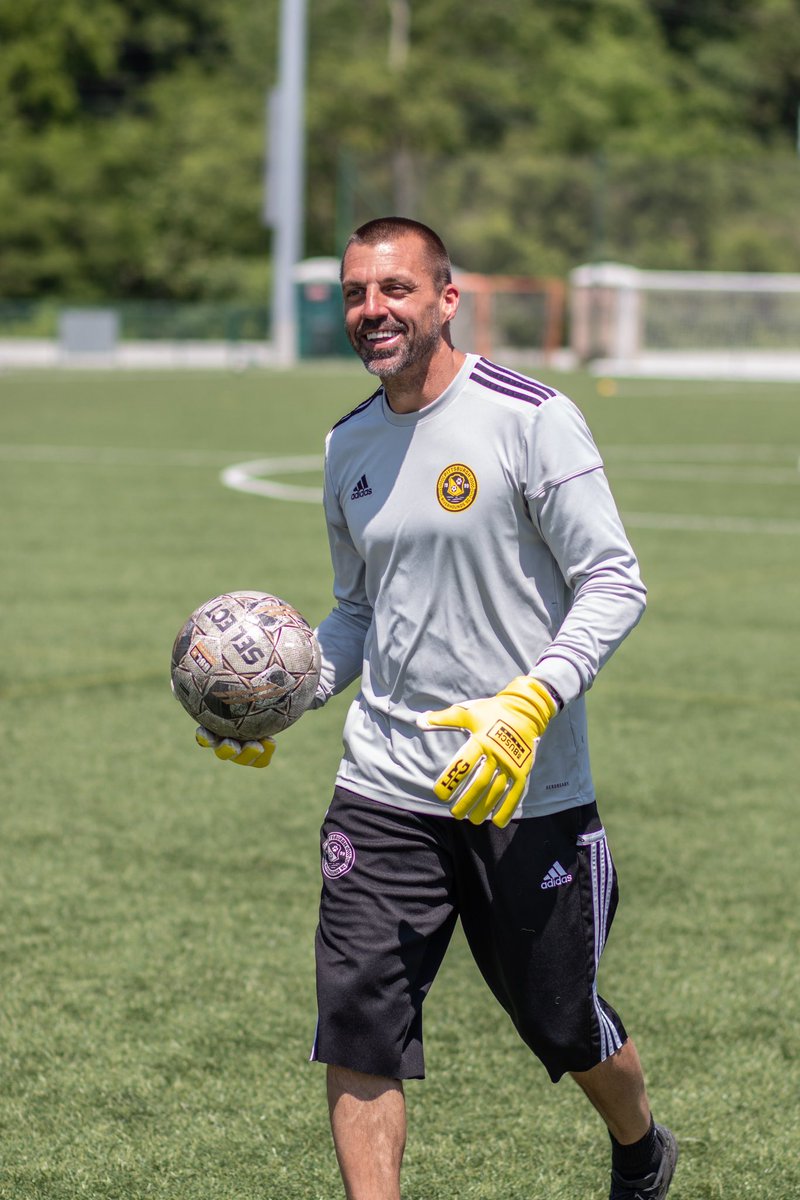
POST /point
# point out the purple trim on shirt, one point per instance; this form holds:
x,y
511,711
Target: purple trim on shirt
x,y
361,407
494,377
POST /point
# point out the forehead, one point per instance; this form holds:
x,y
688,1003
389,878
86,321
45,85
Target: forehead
x,y
403,257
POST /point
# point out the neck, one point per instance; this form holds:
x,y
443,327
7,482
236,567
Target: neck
x,y
423,383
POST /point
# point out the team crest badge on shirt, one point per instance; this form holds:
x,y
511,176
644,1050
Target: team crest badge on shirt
x,y
456,488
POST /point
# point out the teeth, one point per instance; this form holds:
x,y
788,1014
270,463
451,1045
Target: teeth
x,y
381,335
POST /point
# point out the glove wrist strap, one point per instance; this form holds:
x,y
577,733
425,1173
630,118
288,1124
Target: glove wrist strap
x,y
534,694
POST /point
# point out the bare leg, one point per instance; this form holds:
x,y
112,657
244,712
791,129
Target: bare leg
x,y
617,1089
368,1121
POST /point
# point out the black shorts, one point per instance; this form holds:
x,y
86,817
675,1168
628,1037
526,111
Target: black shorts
x,y
536,901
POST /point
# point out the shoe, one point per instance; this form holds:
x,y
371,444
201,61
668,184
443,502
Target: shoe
x,y
656,1185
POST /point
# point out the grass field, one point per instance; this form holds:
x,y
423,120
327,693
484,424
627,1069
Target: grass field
x,y
158,907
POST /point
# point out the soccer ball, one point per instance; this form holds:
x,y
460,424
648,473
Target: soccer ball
x,y
245,665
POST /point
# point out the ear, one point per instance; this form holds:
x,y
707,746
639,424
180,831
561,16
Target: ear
x,y
450,300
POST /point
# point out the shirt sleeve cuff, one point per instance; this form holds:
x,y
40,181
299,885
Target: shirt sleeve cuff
x,y
559,676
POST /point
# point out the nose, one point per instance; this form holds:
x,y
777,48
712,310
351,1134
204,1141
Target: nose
x,y
374,302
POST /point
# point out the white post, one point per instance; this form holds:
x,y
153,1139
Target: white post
x,y
627,341
287,179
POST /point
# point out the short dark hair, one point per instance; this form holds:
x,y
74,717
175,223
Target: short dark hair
x,y
389,229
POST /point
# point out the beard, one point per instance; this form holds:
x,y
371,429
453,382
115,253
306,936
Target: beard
x,y
417,346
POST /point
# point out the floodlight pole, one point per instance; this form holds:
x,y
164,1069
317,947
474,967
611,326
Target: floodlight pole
x,y
287,179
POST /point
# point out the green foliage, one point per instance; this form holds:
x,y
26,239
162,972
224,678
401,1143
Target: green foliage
x,y
132,136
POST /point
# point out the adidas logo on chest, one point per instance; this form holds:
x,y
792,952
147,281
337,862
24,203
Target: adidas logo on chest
x,y
361,489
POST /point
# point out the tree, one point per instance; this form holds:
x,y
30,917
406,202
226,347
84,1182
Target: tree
x,y
132,134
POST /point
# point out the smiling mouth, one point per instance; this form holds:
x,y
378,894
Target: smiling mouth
x,y
381,337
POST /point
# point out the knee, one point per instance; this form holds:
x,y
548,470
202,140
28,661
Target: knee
x,y
358,1084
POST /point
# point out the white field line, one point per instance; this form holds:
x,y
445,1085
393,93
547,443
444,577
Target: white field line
x,y
246,477
689,523
715,453
740,476
117,456
250,476
759,466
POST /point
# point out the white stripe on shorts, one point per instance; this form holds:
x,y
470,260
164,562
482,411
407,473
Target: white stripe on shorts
x,y
602,872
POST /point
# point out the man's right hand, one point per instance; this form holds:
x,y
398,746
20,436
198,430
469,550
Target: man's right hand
x,y
245,754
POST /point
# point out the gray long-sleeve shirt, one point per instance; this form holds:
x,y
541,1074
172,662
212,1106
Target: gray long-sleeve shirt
x,y
472,541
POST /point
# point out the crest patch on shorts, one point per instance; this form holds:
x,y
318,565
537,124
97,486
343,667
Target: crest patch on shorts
x,y
338,855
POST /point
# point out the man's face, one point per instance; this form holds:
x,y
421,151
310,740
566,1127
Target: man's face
x,y
394,312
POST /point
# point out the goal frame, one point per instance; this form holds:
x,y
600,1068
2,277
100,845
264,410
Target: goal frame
x,y
609,307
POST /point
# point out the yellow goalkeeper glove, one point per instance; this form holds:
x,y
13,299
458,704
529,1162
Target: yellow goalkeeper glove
x,y
489,772
246,754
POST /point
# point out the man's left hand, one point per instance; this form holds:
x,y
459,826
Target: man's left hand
x,y
245,754
489,773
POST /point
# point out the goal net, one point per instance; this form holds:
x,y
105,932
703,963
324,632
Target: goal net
x,y
700,324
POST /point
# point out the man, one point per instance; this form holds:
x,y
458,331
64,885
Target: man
x,y
482,578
